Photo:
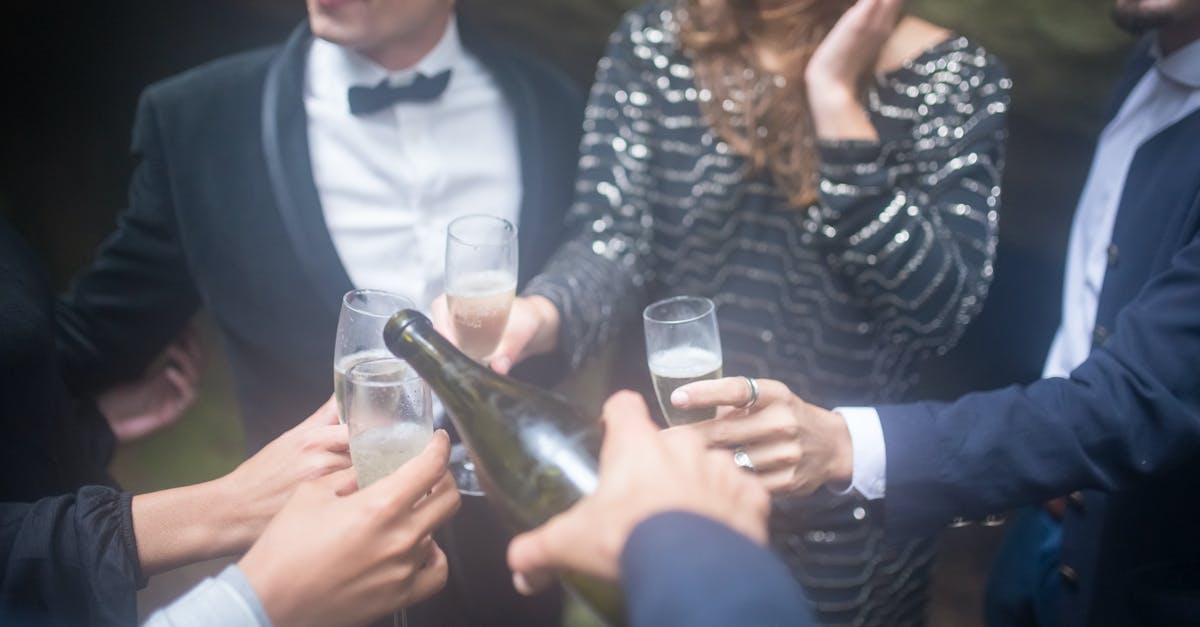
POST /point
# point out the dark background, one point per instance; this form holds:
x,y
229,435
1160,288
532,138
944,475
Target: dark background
x,y
73,71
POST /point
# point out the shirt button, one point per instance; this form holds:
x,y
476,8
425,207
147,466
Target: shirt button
x,y
1113,254
1099,335
1075,500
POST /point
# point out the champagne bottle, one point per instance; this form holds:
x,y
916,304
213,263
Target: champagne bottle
x,y
534,453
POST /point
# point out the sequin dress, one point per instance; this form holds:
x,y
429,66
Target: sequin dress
x,y
839,300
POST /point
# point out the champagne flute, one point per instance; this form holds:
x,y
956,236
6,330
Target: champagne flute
x,y
481,282
682,346
360,333
389,412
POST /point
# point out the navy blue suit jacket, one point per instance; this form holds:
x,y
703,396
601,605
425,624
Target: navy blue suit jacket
x,y
1125,425
683,569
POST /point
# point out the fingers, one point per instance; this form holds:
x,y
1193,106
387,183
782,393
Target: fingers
x,y
429,579
438,506
771,456
536,554
334,438
185,391
339,483
418,476
730,392
325,415
627,425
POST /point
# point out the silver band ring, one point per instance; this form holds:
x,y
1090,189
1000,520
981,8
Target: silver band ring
x,y
742,459
753,393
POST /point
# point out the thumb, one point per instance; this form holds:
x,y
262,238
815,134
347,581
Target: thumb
x,y
325,415
627,424
510,350
341,482
534,556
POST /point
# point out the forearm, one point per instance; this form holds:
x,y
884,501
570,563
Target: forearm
x,y
189,524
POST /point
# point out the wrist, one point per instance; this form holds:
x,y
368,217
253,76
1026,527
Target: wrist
x,y
840,470
548,322
184,525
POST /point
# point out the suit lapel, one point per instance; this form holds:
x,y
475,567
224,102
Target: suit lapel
x,y
285,150
518,92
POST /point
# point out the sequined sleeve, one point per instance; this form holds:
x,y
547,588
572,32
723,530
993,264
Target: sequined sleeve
x,y
597,279
912,221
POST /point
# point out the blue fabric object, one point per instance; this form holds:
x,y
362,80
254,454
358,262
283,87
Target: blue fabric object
x,y
1023,584
227,599
684,569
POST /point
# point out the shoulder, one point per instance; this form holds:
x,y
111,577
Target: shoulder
x,y
652,26
945,68
239,73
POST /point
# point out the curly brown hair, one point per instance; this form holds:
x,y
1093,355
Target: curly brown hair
x,y
749,58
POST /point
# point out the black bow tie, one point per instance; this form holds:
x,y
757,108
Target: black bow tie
x,y
422,89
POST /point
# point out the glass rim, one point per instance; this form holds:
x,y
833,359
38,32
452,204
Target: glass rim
x,y
407,302
411,374
507,228
709,308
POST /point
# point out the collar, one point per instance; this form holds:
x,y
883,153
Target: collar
x,y
1181,66
333,69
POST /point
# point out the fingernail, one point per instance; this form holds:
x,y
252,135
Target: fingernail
x,y
501,364
521,585
679,398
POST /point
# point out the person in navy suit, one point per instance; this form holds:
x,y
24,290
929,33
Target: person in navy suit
x,y
681,528
1116,423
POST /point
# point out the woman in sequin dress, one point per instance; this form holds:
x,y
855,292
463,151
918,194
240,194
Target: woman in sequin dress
x,y
837,201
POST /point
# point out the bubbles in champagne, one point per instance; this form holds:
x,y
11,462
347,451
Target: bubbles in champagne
x,y
676,367
346,363
377,452
479,303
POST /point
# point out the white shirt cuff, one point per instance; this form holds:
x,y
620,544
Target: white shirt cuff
x,y
870,454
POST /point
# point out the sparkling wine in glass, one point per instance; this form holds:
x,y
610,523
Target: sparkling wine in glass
x,y
682,346
481,280
389,412
360,333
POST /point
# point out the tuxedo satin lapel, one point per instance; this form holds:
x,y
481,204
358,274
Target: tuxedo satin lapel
x,y
285,148
533,232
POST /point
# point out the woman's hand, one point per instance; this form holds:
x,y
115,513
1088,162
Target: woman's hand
x,y
794,447
159,397
262,484
532,329
836,69
328,558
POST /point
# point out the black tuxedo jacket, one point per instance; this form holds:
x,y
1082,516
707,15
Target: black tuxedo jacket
x,y
1125,426
224,215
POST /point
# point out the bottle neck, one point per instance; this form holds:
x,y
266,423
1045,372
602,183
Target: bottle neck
x,y
430,354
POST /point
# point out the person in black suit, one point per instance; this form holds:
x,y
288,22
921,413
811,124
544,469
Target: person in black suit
x,y
1118,417
270,183
681,528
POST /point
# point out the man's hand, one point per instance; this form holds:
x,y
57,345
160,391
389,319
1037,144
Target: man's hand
x,y
333,556
532,329
794,447
642,472
262,484
138,408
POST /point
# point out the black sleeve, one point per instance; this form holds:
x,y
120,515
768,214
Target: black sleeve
x,y
69,560
138,293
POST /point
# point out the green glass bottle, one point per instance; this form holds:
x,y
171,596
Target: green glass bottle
x,y
534,453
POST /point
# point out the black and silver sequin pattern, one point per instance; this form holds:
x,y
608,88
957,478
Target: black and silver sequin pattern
x,y
839,300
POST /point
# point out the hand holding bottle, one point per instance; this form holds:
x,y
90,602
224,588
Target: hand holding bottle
x,y
643,472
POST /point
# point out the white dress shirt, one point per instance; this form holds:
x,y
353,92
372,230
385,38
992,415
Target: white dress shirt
x,y
1166,94
391,181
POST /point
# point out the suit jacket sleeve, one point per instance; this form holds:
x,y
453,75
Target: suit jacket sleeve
x,y
1131,412
684,569
69,560
138,293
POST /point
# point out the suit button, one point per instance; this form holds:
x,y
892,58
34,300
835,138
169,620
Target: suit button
x,y
1113,254
1099,335
1068,574
959,521
1075,500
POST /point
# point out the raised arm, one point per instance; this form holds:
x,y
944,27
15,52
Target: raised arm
x,y
596,280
